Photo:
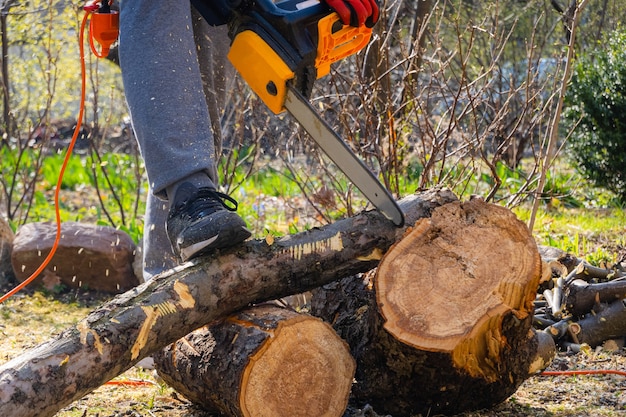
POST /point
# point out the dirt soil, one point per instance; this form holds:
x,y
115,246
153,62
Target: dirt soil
x,y
30,318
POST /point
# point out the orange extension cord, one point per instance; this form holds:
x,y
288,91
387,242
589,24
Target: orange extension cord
x,y
103,28
70,148
132,383
68,154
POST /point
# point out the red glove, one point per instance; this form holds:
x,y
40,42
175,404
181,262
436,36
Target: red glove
x,y
356,12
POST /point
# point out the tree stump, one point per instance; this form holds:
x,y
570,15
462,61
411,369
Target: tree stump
x,y
265,361
445,325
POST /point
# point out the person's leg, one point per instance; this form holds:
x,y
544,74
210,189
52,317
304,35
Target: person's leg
x,y
158,255
164,92
217,75
170,112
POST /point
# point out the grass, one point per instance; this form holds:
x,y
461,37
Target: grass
x,y
595,233
576,217
28,319
115,176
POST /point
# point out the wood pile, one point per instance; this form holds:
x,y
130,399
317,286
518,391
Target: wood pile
x,y
146,319
578,303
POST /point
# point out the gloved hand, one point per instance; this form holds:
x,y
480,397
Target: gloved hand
x,y
356,12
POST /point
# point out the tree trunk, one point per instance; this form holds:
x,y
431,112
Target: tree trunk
x,y
445,325
142,321
264,361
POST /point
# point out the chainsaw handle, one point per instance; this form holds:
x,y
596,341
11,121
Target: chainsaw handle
x,y
307,33
308,26
337,41
290,43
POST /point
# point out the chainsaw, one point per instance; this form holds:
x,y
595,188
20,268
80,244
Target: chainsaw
x,y
280,49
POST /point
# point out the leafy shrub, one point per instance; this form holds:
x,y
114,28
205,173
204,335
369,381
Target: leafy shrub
x,y
596,104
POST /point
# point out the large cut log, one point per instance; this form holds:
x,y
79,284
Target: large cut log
x,y
142,321
445,326
264,361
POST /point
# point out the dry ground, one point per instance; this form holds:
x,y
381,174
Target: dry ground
x,y
30,318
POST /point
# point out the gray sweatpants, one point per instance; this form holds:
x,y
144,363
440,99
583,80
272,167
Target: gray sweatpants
x,y
175,75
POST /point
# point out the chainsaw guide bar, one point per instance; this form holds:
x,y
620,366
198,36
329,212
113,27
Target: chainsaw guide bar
x,y
280,49
337,150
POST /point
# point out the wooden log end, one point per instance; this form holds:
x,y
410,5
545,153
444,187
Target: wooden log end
x,y
304,369
545,353
263,361
446,286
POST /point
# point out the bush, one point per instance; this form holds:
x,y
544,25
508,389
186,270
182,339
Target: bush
x,y
596,102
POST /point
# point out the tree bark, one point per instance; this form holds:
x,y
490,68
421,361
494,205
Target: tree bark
x,y
608,322
445,325
581,297
142,321
265,361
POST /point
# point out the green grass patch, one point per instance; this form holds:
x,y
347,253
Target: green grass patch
x,y
107,191
573,216
596,234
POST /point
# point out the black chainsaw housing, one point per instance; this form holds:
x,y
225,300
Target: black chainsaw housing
x,y
291,32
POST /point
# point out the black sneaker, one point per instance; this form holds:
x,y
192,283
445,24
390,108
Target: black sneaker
x,y
200,221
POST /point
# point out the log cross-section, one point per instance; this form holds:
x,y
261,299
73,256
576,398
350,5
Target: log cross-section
x,y
446,286
264,361
141,321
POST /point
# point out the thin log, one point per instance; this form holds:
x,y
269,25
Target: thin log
x,y
558,330
609,323
587,272
546,350
581,297
558,259
142,321
557,298
264,361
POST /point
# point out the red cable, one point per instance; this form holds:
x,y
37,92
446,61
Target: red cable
x,y
584,372
68,154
